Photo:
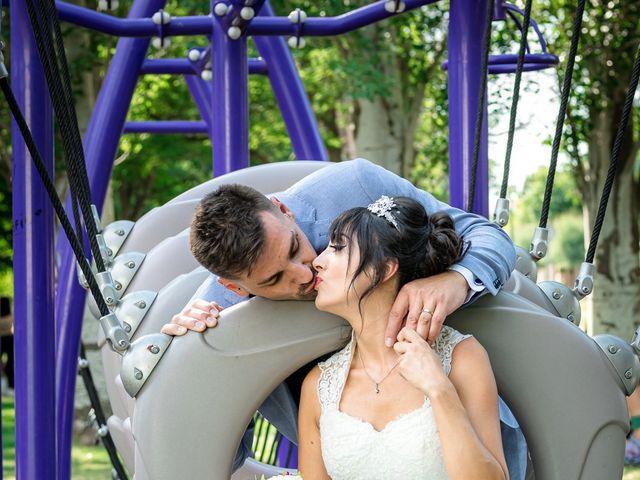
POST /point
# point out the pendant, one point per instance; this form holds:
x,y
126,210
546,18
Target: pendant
x,y
377,389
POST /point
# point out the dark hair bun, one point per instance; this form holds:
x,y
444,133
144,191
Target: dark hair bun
x,y
444,246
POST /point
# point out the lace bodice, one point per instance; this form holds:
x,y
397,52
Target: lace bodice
x,y
407,447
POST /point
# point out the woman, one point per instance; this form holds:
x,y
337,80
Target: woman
x,y
414,411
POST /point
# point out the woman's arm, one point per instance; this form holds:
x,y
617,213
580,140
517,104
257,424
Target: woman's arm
x,y
467,416
464,404
310,461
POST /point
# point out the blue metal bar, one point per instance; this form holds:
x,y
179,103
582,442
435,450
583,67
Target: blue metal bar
x,y
257,66
230,135
292,99
167,127
33,262
466,29
506,63
100,143
201,92
202,25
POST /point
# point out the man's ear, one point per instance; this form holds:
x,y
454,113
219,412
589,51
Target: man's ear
x,y
234,287
392,268
282,207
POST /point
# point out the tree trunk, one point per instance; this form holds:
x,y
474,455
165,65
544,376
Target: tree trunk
x,y
616,294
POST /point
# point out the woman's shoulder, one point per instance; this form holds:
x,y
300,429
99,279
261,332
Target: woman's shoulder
x,y
449,341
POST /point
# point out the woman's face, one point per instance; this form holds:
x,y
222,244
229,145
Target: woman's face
x,y
335,270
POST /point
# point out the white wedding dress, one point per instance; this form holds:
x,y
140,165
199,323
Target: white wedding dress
x,y
408,446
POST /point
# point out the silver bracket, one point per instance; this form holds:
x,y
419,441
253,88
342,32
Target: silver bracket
x,y
96,218
525,264
82,280
584,280
115,235
563,300
107,288
131,310
142,357
115,334
105,252
635,341
623,358
539,243
501,213
124,268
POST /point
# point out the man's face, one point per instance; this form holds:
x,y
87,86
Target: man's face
x,y
283,269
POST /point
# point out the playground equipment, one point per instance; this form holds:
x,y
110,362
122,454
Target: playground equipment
x,y
588,445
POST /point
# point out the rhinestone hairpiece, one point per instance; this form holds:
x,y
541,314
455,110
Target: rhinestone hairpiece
x,y
382,208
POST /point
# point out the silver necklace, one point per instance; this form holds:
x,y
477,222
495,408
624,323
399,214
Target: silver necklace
x,y
377,383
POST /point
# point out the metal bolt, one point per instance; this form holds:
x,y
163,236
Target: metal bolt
x,y
613,349
206,75
194,55
103,430
83,363
109,252
127,327
585,289
628,374
556,294
154,349
122,343
120,232
138,374
540,253
571,317
109,300
220,9
118,285
131,264
247,13
234,33
142,305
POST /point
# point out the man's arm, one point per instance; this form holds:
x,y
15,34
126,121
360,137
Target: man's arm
x,y
488,262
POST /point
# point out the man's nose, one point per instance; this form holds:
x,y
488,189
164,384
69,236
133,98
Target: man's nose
x,y
302,273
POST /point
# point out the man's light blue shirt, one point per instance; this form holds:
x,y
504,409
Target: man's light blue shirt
x,y
316,201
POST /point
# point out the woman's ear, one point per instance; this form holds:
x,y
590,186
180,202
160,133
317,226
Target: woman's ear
x,y
392,268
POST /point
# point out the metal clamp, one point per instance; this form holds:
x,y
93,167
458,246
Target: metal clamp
x,y
501,213
104,5
297,17
584,280
563,300
3,68
623,358
141,359
161,18
394,6
115,334
107,288
539,243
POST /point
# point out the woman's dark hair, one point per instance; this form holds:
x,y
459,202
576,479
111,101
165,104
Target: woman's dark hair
x,y
423,245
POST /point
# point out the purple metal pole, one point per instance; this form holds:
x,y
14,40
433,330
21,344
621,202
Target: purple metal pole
x,y
230,117
292,99
201,92
466,29
100,144
167,127
32,262
257,66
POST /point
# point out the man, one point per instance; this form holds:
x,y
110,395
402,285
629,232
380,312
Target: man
x,y
257,246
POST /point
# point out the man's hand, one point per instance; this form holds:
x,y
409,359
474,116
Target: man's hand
x,y
425,303
197,317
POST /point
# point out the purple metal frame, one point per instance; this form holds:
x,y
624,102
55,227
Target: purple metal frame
x,y
222,103
32,262
466,24
202,25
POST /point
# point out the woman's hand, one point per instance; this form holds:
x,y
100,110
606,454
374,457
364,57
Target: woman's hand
x,y
419,364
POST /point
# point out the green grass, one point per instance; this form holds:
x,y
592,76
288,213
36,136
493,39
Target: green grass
x,y
87,462
92,462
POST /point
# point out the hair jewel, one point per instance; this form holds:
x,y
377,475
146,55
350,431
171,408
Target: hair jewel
x,y
382,208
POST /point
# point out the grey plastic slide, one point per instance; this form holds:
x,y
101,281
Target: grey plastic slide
x,y
188,418
191,413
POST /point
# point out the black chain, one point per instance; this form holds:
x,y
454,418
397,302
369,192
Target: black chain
x,y
613,165
566,90
516,97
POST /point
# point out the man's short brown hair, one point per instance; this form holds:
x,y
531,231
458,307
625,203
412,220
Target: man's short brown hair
x,y
227,234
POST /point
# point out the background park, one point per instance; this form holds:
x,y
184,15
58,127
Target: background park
x,y
380,93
